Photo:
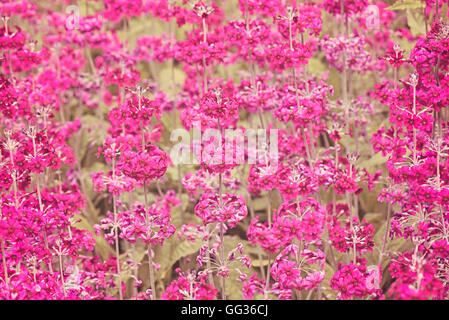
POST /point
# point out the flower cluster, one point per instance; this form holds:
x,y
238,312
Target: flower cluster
x,y
319,164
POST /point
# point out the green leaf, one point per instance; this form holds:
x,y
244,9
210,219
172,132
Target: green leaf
x,y
167,76
260,204
173,250
257,263
373,162
327,291
415,21
188,217
444,10
393,245
406,4
101,245
316,66
95,130
375,218
233,287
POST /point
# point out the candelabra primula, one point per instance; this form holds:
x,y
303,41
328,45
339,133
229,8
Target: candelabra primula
x,y
354,203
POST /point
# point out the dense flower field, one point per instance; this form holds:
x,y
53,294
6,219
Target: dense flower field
x,y
225,149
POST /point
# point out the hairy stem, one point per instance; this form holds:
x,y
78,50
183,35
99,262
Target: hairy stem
x,y
204,59
5,268
385,237
61,266
414,129
222,253
117,251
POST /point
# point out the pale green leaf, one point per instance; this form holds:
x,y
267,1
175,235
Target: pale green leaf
x,y
233,287
173,250
101,245
406,4
416,22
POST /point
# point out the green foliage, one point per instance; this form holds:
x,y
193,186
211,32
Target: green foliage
x,y
101,246
234,287
172,251
416,22
406,4
175,251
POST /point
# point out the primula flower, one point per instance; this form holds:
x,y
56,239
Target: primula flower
x,y
190,286
226,208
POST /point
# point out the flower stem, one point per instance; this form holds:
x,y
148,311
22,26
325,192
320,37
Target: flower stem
x,y
222,253
61,266
5,268
267,281
204,59
223,279
414,129
151,271
385,238
117,251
